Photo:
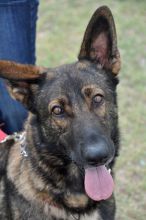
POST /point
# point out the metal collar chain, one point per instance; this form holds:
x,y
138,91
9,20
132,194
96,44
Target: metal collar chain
x,y
76,216
23,144
18,137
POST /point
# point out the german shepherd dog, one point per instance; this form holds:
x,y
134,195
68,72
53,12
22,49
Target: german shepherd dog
x,y
58,168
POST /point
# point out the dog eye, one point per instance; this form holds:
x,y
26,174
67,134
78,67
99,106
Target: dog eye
x,y
57,110
98,99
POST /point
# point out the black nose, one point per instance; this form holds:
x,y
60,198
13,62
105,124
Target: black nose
x,y
96,154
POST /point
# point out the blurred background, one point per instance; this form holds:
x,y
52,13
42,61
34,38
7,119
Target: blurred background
x,y
61,26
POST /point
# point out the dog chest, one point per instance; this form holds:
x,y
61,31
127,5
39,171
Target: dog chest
x,y
58,214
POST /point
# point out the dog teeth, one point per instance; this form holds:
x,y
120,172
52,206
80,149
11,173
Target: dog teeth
x,y
109,170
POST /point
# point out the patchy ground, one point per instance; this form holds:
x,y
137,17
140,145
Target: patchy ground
x,y
60,30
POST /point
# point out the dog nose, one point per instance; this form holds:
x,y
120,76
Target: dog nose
x,y
96,154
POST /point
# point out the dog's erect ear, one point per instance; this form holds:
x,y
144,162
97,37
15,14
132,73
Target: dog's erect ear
x,y
20,78
100,41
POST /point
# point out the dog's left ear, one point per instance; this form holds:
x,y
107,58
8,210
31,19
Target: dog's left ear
x,y
100,41
21,78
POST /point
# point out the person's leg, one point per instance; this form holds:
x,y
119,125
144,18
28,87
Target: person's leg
x,y
17,43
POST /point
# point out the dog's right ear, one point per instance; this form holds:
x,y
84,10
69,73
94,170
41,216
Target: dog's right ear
x,y
21,78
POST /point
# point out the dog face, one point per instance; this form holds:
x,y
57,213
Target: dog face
x,y
74,112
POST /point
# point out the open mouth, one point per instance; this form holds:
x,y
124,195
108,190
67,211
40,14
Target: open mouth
x,y
98,182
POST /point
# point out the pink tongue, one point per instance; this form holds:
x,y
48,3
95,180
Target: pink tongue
x,y
98,183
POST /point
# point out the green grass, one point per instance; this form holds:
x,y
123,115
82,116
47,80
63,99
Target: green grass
x,y
60,30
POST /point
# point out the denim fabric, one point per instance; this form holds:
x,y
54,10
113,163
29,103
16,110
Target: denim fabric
x,y
17,43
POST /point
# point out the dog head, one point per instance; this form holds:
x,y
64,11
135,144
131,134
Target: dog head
x,y
73,107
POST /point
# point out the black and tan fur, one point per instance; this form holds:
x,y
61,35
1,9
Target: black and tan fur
x,y
71,107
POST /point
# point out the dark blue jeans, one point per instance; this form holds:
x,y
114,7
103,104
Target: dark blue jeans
x,y
17,43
